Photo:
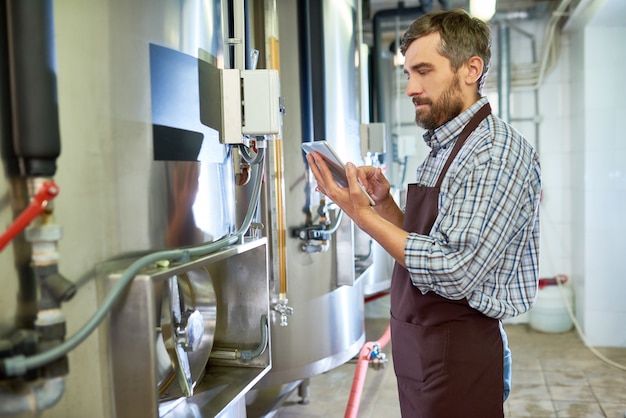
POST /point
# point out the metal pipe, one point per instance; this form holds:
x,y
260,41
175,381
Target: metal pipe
x,y
504,72
236,354
536,119
32,398
239,35
361,82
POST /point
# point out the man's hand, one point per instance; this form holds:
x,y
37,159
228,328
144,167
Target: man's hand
x,y
382,222
351,200
375,183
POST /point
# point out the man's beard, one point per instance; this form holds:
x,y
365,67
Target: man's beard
x,y
447,107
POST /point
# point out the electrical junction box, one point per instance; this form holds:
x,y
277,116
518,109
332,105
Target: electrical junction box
x,y
261,107
220,101
372,138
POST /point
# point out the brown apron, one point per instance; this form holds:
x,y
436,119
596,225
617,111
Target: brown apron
x,y
448,357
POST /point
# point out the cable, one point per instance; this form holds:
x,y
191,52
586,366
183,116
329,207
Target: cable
x,y
581,334
248,157
18,365
560,279
531,75
250,354
333,227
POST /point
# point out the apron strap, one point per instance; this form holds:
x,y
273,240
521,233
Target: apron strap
x,y
482,113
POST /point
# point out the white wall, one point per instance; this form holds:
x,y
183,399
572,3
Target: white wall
x,y
601,156
583,157
543,116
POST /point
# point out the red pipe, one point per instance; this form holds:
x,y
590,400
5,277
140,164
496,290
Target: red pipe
x,y
49,190
361,370
376,296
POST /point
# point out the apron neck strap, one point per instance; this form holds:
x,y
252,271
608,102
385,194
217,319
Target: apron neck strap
x,y
482,113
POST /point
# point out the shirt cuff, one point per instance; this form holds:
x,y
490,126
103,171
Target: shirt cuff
x,y
417,249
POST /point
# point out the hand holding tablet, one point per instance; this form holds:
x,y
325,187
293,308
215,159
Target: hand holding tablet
x,y
334,163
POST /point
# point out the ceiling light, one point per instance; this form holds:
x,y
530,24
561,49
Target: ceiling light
x,y
483,9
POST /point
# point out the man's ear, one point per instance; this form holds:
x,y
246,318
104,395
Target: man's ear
x,y
474,70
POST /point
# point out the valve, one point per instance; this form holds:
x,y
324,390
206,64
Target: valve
x,y
190,330
284,310
49,190
182,335
378,359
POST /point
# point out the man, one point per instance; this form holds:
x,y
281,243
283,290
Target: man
x,y
466,245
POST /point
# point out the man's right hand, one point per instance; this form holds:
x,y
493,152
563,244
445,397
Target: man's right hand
x,y
375,183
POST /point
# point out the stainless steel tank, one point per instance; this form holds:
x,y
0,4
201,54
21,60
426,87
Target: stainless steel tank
x,y
320,284
139,172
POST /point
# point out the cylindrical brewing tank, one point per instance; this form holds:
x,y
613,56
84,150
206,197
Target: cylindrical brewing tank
x,y
319,83
138,172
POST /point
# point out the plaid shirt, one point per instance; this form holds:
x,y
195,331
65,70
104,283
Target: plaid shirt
x,y
484,245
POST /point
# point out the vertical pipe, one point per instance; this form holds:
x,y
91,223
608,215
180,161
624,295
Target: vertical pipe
x,y
239,34
35,113
377,109
361,81
406,13
28,290
504,72
306,72
6,150
536,117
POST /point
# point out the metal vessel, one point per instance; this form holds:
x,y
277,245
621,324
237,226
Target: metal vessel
x,y
199,289
322,281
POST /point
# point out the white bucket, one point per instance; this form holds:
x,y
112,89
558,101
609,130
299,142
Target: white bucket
x,y
550,312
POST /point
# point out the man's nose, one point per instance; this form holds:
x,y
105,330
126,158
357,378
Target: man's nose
x,y
413,88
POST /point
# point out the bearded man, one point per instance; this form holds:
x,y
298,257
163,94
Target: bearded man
x,y
466,244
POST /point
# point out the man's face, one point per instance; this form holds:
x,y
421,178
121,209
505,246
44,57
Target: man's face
x,y
434,87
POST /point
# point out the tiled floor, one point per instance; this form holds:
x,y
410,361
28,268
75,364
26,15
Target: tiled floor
x,y
554,375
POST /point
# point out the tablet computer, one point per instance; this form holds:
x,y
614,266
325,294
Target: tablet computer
x,y
334,163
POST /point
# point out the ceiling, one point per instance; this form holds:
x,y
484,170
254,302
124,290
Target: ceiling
x,y
502,6
612,13
390,27
600,13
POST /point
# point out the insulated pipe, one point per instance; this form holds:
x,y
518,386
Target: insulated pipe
x,y
33,399
35,114
404,12
361,369
6,144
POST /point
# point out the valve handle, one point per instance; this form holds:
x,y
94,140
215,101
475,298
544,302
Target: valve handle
x,y
186,336
49,190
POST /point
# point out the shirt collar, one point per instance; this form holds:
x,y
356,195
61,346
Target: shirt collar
x,y
449,131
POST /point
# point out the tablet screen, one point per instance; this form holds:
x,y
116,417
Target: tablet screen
x,y
336,166
334,163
